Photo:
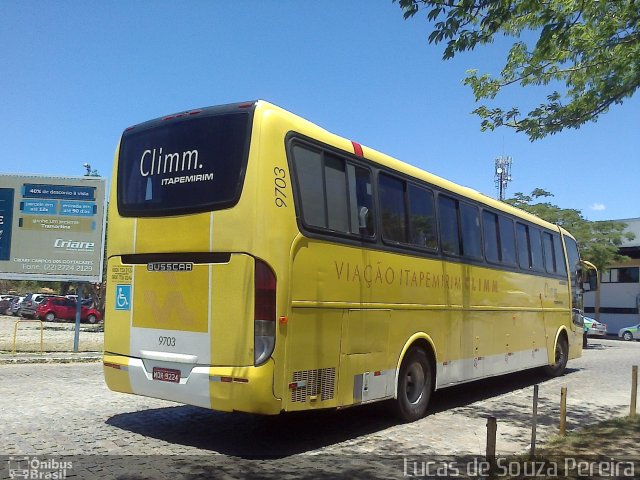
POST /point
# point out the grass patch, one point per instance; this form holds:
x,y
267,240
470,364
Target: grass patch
x,y
605,450
619,437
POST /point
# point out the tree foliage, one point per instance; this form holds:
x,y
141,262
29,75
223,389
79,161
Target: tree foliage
x,y
587,55
599,242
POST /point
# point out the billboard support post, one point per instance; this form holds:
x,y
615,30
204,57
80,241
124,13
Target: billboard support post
x,y
76,337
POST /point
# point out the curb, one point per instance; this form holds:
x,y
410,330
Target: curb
x,y
89,357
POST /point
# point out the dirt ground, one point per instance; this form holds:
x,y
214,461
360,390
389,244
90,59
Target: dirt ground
x,y
56,336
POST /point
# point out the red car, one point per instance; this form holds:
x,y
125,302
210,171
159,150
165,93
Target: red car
x,y
65,309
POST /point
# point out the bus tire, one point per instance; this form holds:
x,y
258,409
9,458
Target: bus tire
x,y
415,384
561,357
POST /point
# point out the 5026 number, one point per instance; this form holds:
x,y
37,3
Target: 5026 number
x,y
280,184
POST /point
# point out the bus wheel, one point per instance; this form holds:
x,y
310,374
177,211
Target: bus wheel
x,y
562,355
415,384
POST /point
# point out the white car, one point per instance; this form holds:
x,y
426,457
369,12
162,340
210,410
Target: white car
x,y
630,333
594,328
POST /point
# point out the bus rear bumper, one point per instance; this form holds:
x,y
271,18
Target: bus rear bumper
x,y
227,389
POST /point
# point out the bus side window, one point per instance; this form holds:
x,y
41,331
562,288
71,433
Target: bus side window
x,y
422,218
334,194
507,240
575,278
490,229
360,200
522,241
393,208
308,165
573,258
549,255
559,254
449,231
535,241
471,236
529,244
335,177
553,254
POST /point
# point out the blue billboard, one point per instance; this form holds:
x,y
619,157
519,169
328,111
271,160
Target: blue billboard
x,y
6,221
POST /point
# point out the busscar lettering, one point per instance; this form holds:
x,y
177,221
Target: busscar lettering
x,y
170,267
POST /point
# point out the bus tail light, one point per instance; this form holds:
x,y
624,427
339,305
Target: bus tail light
x,y
264,323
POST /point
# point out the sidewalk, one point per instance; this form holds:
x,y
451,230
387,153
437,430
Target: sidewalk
x,y
49,357
57,342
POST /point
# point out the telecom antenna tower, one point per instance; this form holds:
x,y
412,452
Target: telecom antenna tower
x,y
502,175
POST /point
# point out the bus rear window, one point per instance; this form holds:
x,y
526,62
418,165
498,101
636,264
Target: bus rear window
x,y
184,165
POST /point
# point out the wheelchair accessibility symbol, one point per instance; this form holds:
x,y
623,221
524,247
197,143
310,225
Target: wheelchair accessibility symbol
x,y
123,297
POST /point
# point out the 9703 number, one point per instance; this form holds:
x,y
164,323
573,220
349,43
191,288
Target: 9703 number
x,y
280,184
167,341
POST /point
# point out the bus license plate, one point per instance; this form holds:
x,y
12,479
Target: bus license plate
x,y
166,375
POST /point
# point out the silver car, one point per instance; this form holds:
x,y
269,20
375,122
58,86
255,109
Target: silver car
x,y
16,306
30,304
594,328
630,333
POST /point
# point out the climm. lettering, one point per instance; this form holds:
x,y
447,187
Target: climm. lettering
x,y
153,162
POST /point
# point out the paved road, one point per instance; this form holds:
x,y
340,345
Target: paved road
x,y
67,410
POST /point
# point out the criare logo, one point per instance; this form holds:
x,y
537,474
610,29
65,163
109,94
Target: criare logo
x,y
74,245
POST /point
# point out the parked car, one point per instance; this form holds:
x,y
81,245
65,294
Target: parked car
x,y
16,306
30,304
62,308
5,304
594,328
86,301
630,333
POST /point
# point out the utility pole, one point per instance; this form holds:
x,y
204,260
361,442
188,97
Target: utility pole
x,y
502,175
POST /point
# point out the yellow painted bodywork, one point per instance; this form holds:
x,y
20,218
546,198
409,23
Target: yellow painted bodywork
x,y
351,309
117,378
157,306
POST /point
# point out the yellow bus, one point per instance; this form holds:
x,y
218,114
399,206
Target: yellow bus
x,y
258,263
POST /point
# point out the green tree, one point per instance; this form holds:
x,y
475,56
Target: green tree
x,y
599,242
586,53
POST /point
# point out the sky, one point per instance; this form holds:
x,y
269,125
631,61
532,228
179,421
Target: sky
x,y
75,74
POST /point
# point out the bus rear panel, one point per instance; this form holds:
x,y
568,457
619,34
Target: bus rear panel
x,y
191,308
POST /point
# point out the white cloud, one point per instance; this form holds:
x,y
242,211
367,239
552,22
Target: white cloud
x,y
598,207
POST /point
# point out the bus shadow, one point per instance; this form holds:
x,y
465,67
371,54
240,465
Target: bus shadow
x,y
279,436
465,394
254,436
594,345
